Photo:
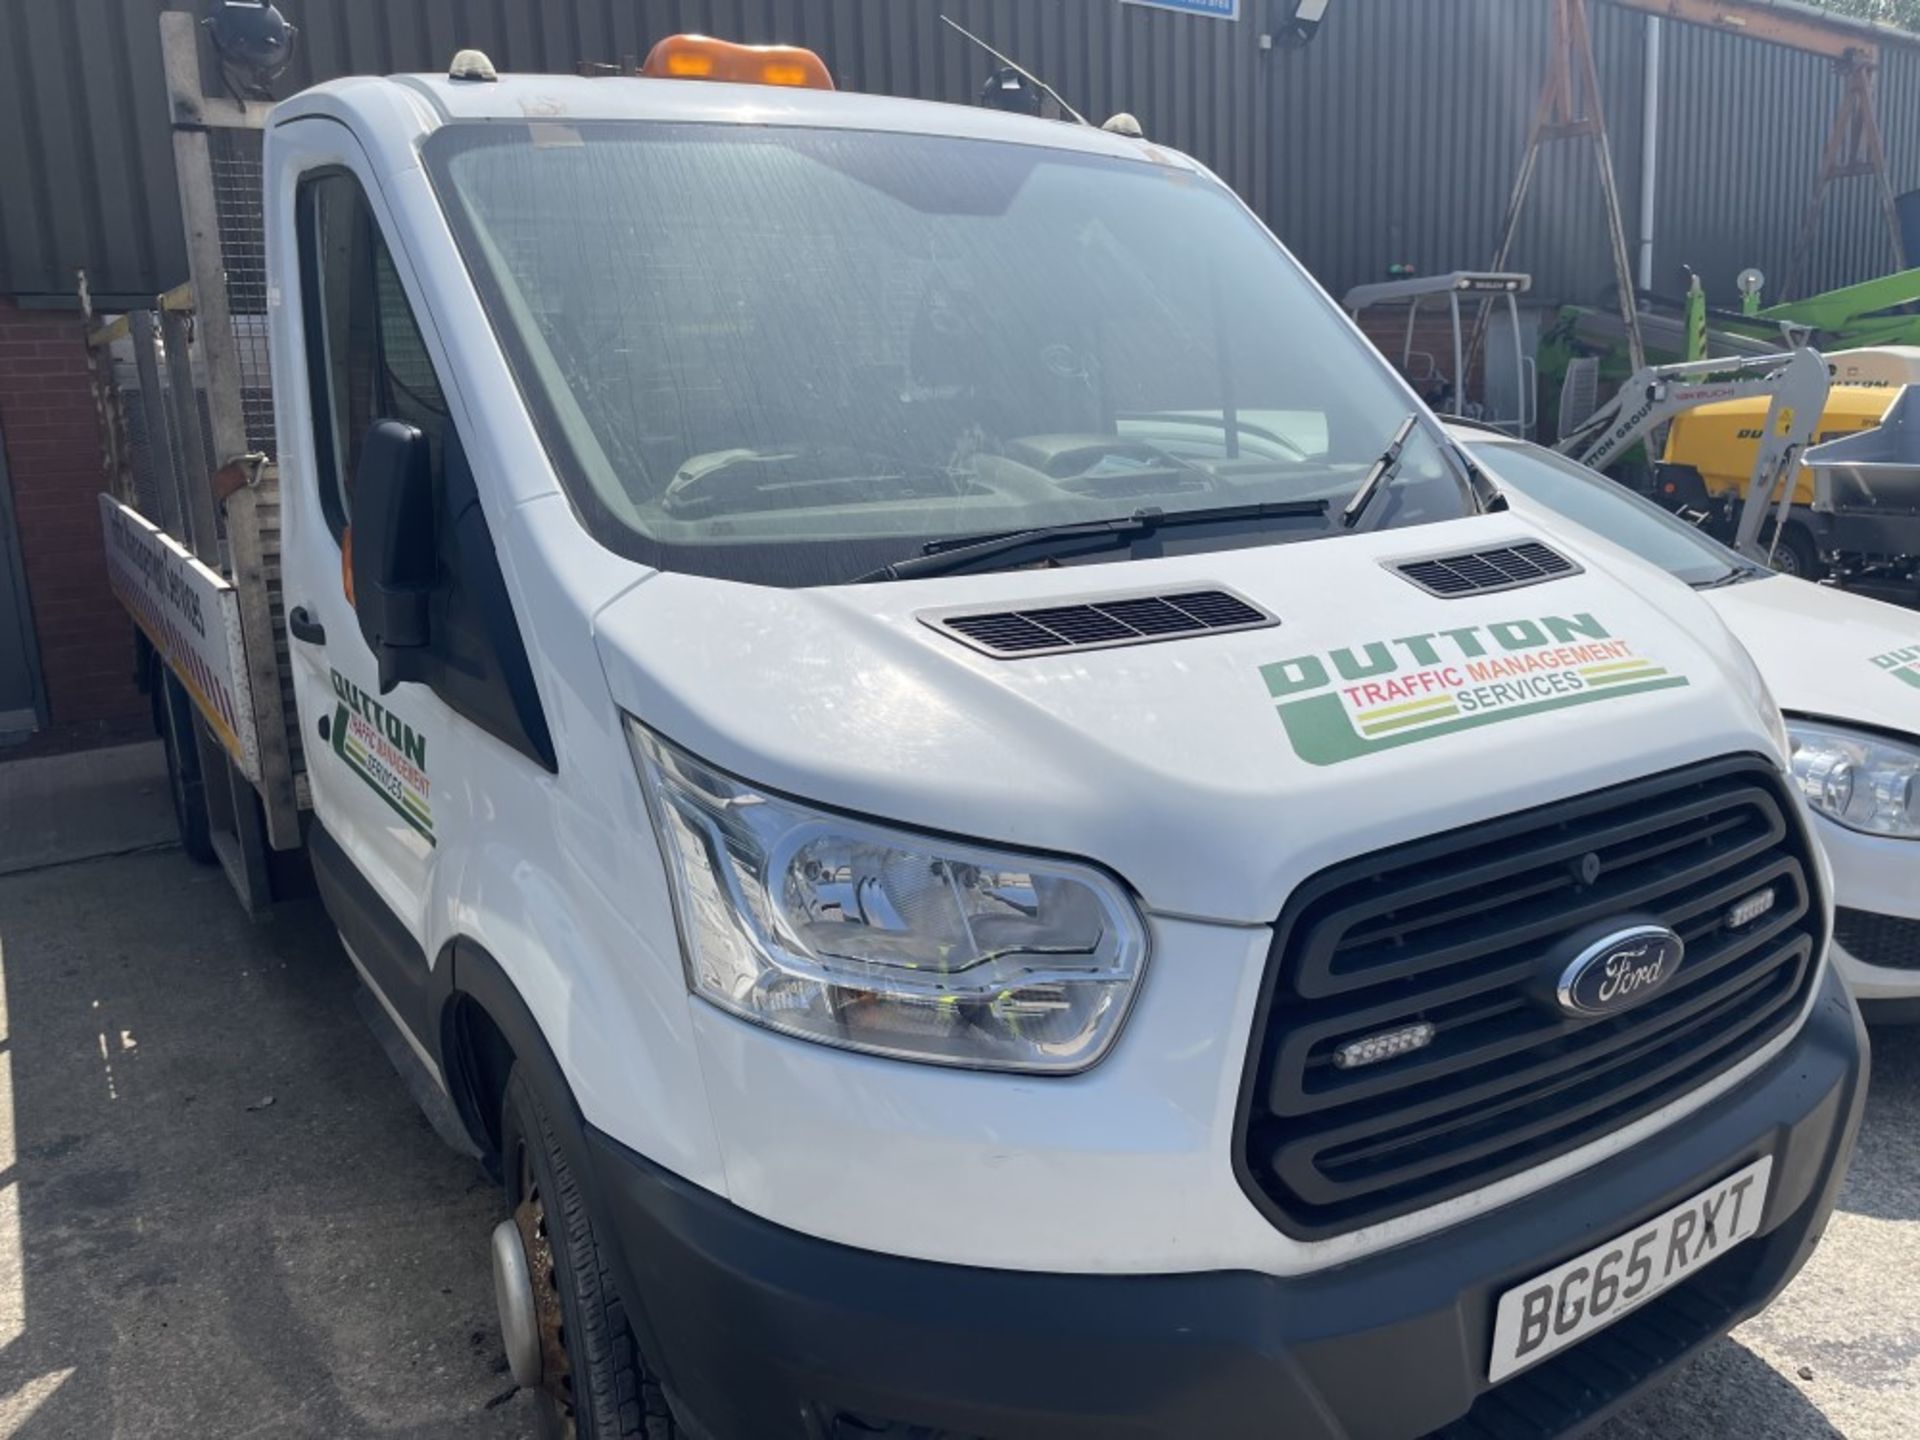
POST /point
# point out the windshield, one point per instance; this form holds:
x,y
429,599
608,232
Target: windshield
x,y
793,355
1612,512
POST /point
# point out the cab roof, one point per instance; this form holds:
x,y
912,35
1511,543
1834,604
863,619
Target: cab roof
x,y
404,109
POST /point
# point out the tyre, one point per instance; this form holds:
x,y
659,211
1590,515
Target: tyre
x,y
173,718
592,1385
1797,555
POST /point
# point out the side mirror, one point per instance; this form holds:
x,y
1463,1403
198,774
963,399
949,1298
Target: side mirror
x,y
395,552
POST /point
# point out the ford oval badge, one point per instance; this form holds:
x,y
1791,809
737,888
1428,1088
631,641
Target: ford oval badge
x,y
1618,971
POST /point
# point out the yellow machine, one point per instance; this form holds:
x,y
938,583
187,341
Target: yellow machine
x,y
1721,441
1713,453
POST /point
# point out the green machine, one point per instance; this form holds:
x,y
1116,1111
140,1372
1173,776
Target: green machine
x,y
1874,312
1583,353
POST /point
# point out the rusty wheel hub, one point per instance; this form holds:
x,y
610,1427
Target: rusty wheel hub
x,y
527,1292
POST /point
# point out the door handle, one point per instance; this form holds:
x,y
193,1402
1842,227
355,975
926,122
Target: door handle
x,y
303,626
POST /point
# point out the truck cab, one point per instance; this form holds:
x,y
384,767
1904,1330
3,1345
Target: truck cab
x,y
989,828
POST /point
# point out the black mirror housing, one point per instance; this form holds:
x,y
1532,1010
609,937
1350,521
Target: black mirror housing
x,y
395,550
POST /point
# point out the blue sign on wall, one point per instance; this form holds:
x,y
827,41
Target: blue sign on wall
x,y
1218,9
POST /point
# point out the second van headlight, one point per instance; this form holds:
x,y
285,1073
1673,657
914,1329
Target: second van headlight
x,y
1863,781
884,941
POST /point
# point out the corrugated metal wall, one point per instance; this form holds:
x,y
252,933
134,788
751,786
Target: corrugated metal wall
x,y
1741,149
1396,139
1393,137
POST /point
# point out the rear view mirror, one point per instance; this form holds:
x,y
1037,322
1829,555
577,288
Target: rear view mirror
x,y
395,553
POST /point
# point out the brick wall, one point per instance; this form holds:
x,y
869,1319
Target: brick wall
x,y
52,438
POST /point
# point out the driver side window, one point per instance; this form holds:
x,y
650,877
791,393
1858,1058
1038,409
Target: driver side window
x,y
366,360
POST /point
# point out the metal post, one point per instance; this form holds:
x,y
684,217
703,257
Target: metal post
x,y
1616,227
1649,147
1876,157
197,480
115,467
153,411
1460,360
1570,107
1853,147
1522,385
193,163
1830,166
192,112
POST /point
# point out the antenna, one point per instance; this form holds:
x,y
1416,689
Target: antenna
x,y
1018,69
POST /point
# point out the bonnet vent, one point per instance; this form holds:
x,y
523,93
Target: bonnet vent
x,y
1097,624
1475,572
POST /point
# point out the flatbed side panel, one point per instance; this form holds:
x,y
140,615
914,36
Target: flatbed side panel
x,y
192,617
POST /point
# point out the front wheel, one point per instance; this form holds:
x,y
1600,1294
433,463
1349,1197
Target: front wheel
x,y
1797,555
563,1324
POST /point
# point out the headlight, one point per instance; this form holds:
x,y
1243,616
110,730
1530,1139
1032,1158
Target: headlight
x,y
1858,780
884,941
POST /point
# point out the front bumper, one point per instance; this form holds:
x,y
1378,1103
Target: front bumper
x,y
760,1332
1880,876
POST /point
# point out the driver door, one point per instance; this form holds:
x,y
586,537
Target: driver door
x,y
349,351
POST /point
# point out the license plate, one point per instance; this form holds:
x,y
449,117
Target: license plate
x,y
1591,1291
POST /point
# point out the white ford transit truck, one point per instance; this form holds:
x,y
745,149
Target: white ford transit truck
x,y
990,829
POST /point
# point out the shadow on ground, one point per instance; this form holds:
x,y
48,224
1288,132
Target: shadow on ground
x,y
221,1214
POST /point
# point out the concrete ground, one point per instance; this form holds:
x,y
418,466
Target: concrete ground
x,y
1838,1355
59,808
221,1215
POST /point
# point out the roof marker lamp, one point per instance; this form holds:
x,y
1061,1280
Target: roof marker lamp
x,y
1865,782
912,946
701,57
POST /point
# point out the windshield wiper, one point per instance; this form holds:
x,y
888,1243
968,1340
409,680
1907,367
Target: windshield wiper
x,y
1734,575
1049,542
1383,470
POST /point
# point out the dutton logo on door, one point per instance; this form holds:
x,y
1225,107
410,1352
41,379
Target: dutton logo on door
x,y
384,751
1364,698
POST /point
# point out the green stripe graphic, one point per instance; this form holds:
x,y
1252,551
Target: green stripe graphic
x,y
1382,712
1323,735
1423,717
1643,673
